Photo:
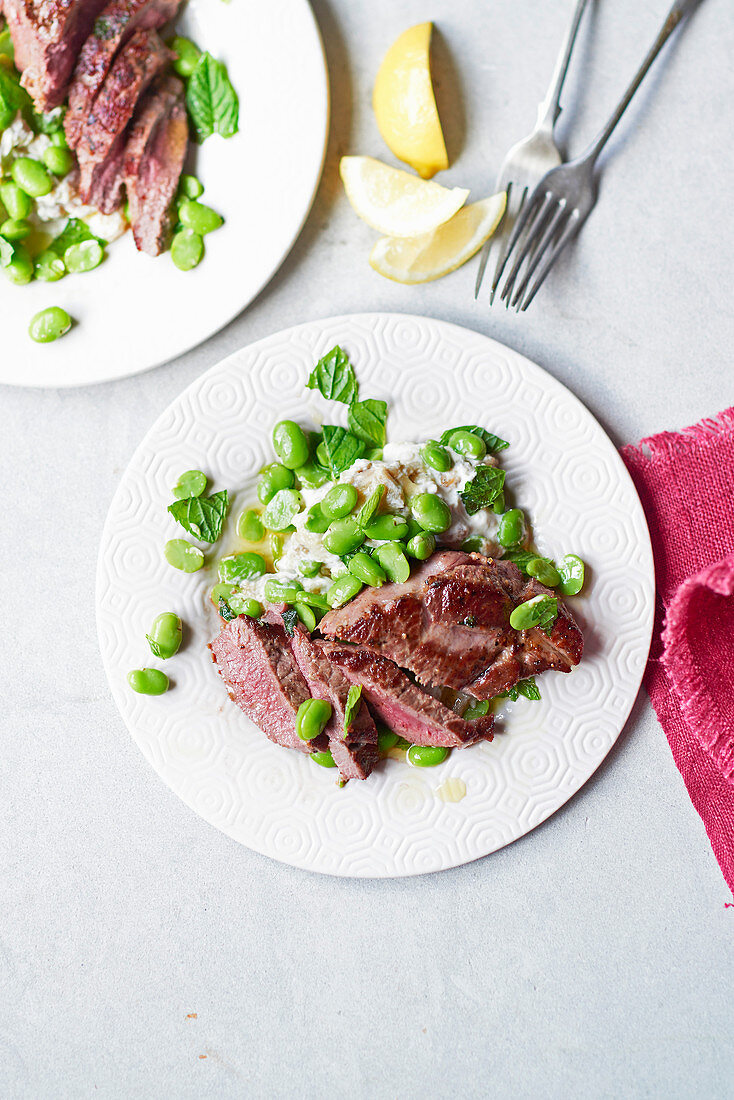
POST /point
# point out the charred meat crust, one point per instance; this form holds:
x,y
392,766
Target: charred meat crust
x,y
142,59
47,36
450,625
119,20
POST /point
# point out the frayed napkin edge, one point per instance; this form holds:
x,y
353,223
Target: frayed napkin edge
x,y
669,445
697,705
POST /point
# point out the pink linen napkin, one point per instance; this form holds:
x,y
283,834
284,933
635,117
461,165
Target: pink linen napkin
x,y
686,484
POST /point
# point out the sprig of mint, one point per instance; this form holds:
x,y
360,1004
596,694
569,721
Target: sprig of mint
x,y
354,699
49,123
202,517
367,420
522,558
211,100
224,610
549,615
13,97
491,441
342,448
527,688
334,377
483,489
290,618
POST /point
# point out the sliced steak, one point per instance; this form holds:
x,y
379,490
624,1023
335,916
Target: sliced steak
x,y
450,625
154,159
404,706
355,752
47,36
102,135
120,19
106,190
255,661
154,107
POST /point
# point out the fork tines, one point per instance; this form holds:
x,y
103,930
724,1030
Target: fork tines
x,y
539,235
516,196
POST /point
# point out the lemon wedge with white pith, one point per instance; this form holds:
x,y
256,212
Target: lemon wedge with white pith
x,y
422,259
395,202
405,106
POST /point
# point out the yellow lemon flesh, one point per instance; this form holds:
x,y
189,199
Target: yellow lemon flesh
x,y
395,202
422,259
405,106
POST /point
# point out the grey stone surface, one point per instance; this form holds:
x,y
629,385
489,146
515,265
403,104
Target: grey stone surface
x,y
594,956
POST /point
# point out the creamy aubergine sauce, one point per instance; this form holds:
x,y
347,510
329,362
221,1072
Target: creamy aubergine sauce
x,y
403,473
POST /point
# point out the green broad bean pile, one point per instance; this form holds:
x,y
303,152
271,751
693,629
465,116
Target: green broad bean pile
x,y
27,250
376,544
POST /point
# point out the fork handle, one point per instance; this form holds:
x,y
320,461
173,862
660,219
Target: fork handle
x,y
680,9
550,108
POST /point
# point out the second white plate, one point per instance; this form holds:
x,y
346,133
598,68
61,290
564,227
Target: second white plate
x,y
561,468
135,312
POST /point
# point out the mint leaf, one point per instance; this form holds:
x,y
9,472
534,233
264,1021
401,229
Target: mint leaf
x,y
528,688
49,123
354,701
522,558
211,100
6,44
13,97
334,377
290,618
224,610
549,615
483,489
367,420
370,506
202,517
492,442
342,448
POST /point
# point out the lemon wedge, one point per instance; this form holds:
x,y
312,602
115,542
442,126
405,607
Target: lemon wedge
x,y
405,106
422,259
393,201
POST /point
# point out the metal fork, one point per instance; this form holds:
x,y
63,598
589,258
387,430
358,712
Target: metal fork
x,y
564,198
529,160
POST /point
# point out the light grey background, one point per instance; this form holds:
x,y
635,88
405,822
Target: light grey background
x,y
594,956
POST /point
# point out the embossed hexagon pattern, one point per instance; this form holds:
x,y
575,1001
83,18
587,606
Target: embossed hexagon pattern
x,y
561,467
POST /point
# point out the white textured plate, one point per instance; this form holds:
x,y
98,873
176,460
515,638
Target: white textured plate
x,y
135,312
562,469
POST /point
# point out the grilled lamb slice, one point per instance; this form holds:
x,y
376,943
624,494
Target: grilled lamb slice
x,y
355,752
255,661
47,36
154,159
404,706
154,107
450,625
102,135
120,19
